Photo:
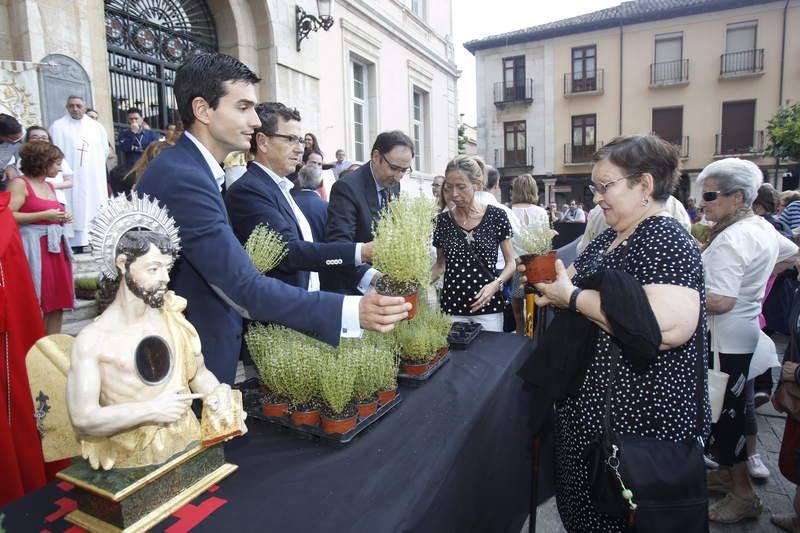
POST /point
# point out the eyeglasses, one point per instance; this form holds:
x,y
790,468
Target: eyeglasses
x,y
710,196
291,139
601,188
396,168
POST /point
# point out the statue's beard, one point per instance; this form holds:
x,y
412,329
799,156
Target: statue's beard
x,y
152,297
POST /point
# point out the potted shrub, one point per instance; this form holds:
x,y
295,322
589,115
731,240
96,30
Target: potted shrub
x,y
402,243
365,385
86,288
301,378
266,248
268,348
535,241
419,341
385,369
336,379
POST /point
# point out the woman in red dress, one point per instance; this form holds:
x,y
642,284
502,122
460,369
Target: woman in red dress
x,y
41,220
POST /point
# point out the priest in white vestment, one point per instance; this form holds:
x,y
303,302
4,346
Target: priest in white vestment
x,y
85,145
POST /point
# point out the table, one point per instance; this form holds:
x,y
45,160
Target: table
x,y
453,456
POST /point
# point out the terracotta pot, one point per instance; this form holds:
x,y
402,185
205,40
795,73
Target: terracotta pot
x,y
414,369
386,396
441,352
332,425
275,409
539,268
367,409
306,418
413,299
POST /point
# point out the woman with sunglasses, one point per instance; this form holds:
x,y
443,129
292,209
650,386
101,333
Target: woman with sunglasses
x,y
741,253
647,268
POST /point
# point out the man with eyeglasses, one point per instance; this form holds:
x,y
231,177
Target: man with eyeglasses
x,y
357,198
262,196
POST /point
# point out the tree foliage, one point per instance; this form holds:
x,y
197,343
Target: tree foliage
x,y
784,134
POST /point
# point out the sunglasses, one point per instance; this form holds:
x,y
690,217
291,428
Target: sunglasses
x,y
710,196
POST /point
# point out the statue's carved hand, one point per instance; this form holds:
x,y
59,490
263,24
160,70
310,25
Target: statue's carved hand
x,y
169,407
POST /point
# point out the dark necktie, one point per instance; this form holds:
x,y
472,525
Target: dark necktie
x,y
384,193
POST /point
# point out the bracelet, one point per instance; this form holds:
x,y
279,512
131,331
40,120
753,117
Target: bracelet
x,y
573,299
500,283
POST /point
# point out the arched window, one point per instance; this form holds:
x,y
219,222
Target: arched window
x,y
147,41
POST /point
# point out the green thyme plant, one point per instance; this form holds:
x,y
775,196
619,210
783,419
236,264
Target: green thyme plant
x,y
267,345
419,339
266,248
535,239
87,283
402,243
337,377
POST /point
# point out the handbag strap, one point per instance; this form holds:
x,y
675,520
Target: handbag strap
x,y
472,251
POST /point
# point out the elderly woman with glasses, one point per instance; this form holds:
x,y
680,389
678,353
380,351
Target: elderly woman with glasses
x,y
741,253
631,327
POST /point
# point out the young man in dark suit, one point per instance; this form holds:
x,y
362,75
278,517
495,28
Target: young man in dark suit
x,y
262,196
216,99
309,179
357,198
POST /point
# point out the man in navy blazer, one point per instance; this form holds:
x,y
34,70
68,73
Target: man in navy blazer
x,y
262,196
309,179
356,199
216,98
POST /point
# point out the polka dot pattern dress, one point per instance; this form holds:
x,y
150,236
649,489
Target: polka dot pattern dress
x,y
463,276
657,402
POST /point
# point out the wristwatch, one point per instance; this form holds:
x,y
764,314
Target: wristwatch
x,y
573,299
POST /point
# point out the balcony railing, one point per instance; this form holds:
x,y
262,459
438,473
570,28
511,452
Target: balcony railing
x,y
579,154
585,82
741,63
739,143
669,73
513,158
513,92
681,143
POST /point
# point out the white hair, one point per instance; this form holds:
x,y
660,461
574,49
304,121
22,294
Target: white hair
x,y
733,174
309,177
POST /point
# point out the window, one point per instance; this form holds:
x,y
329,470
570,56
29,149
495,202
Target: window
x,y
513,78
360,111
515,144
668,124
740,48
668,66
583,138
738,125
584,69
419,129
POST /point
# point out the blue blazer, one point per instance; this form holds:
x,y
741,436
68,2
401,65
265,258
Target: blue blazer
x,y
255,199
316,211
215,274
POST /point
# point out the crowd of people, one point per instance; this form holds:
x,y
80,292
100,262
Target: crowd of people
x,y
657,294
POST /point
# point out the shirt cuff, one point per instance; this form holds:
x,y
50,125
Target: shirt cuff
x,y
358,261
351,321
366,281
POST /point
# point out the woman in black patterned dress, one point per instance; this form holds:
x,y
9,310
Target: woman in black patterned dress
x,y
631,179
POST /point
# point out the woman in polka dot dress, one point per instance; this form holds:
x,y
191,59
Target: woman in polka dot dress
x,y
631,179
466,240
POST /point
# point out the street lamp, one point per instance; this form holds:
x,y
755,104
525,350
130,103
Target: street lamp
x,y
307,23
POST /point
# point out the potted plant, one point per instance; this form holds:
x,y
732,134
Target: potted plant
x,y
385,368
402,243
365,385
337,376
86,288
419,341
536,243
266,248
268,345
301,378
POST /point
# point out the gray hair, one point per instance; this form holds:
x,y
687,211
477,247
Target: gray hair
x,y
733,174
309,177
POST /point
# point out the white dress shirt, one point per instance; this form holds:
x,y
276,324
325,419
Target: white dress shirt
x,y
351,322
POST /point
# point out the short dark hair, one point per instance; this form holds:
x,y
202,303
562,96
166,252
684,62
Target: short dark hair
x,y
389,139
768,198
203,74
307,154
34,128
37,157
9,125
133,110
492,177
268,114
637,154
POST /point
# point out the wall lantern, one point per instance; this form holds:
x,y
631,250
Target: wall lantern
x,y
307,23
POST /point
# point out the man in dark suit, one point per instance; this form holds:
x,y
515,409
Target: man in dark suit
x,y
216,98
262,196
310,202
356,199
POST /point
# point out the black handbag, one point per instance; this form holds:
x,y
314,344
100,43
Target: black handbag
x,y
655,485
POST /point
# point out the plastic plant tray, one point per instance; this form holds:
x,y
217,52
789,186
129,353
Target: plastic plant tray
x,y
415,381
251,390
462,333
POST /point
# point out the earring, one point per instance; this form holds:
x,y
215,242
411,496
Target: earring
x,y
645,202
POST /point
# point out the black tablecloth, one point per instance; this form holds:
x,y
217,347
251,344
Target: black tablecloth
x,y
453,456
